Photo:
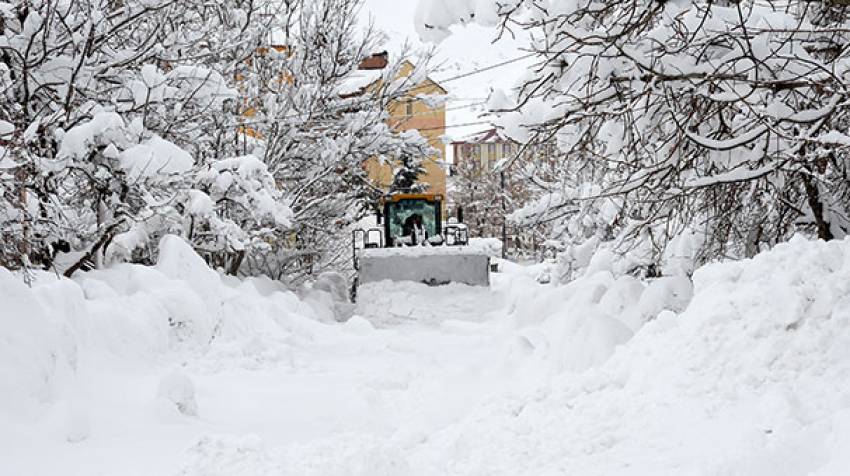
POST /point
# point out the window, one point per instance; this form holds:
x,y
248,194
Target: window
x,y
476,149
491,150
507,150
399,212
408,108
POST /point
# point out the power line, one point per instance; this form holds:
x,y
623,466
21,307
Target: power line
x,y
486,68
367,100
460,76
452,126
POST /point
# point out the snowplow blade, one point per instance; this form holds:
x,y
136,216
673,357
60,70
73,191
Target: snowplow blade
x,y
430,265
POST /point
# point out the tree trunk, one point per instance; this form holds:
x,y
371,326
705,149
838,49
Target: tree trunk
x,y
236,263
813,197
95,251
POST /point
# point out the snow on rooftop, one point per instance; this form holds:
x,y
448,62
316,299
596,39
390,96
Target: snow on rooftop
x,y
358,81
483,137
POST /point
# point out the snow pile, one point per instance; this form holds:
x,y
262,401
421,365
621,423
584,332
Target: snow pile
x,y
579,325
388,303
179,389
491,247
131,315
750,379
30,345
177,370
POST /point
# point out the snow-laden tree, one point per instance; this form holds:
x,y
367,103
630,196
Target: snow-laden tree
x,y
485,196
724,119
406,177
315,119
235,210
231,123
107,108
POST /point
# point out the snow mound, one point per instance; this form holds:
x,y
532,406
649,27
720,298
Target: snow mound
x,y
178,388
229,456
752,378
135,315
389,303
30,347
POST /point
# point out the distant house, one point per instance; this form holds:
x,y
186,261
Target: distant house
x,y
483,150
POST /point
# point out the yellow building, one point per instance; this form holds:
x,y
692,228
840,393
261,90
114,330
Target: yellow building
x,y
411,112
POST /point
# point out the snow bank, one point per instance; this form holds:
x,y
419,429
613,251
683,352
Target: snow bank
x,y
745,373
31,350
751,379
132,315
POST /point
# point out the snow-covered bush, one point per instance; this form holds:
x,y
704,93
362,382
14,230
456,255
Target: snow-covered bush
x,y
235,209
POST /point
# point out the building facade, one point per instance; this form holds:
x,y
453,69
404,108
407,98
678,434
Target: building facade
x,y
482,151
414,112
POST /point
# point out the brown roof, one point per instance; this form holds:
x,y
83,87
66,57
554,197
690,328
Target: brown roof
x,y
375,61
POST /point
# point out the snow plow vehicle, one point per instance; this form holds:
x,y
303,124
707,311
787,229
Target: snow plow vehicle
x,y
412,243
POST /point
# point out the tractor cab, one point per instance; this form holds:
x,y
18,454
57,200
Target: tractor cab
x,y
412,243
409,219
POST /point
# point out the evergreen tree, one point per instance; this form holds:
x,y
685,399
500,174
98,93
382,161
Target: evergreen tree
x,y
407,172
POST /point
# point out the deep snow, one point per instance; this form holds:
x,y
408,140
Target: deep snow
x,y
174,370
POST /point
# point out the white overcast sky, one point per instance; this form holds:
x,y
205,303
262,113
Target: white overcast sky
x,y
467,49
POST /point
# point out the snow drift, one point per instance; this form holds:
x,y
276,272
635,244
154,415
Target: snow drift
x,y
746,373
130,315
750,379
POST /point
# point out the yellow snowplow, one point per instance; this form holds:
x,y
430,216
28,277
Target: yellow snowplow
x,y
412,243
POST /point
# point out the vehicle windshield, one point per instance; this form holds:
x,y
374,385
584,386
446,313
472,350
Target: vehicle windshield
x,y
404,210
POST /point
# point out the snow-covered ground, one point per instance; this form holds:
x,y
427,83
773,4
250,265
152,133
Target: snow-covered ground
x,y
174,370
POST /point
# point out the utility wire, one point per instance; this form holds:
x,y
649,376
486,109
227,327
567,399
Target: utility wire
x,y
452,126
486,68
410,89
